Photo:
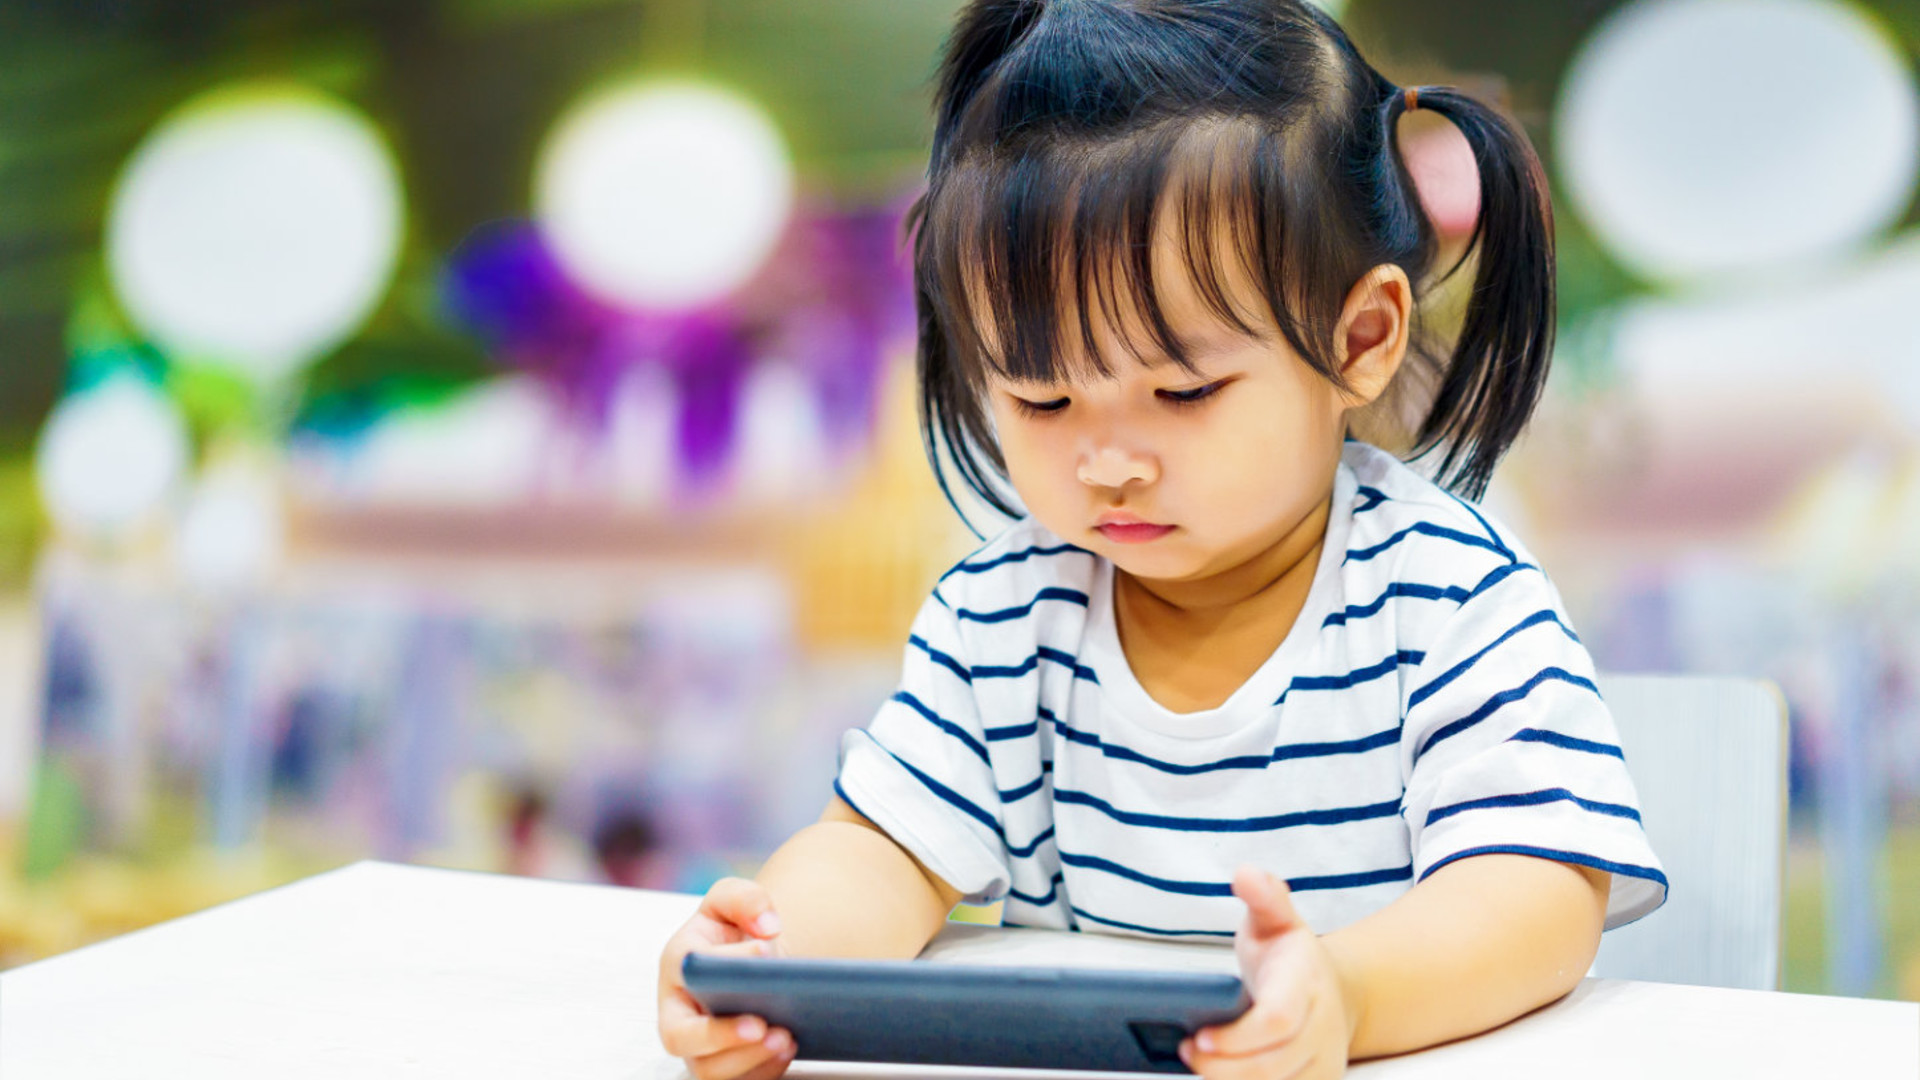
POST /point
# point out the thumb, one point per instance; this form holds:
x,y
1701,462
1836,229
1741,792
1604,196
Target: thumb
x,y
1270,910
744,904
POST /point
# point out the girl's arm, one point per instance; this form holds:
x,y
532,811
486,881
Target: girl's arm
x,y
839,887
1480,942
843,888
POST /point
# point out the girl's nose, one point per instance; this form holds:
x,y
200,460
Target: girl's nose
x,y
1113,466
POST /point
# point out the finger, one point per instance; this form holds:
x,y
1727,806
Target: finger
x,y
676,952
742,903
1270,910
774,1065
1275,1019
1281,1063
687,1032
734,1063
1277,1061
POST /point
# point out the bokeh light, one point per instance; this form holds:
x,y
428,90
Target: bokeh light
x,y
255,228
110,457
1702,137
664,195
233,529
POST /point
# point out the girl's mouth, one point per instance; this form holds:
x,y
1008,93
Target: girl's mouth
x,y
1133,532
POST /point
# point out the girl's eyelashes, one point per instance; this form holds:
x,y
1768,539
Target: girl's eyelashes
x,y
1194,396
1039,408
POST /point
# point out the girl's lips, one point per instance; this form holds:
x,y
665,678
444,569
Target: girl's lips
x,y
1133,532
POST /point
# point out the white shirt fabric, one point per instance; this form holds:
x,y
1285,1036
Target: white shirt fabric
x,y
1430,704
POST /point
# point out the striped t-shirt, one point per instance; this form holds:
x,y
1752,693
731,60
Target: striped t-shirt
x,y
1429,704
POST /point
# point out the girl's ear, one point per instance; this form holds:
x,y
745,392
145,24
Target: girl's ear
x,y
1371,338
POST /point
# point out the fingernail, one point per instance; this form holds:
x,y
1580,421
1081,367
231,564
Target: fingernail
x,y
779,1042
748,1027
1204,1041
767,925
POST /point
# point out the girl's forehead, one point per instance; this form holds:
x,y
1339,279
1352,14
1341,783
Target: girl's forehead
x,y
1124,326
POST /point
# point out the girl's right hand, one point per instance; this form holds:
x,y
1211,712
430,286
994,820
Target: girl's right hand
x,y
735,918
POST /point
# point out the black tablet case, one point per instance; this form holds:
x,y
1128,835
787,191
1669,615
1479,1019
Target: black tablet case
x,y
909,1012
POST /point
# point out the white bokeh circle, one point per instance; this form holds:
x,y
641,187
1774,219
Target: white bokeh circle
x,y
1705,137
663,195
110,457
255,229
232,531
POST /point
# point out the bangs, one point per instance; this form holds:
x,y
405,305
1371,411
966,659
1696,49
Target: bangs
x,y
1029,250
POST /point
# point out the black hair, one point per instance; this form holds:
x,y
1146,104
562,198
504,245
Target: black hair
x,y
1064,131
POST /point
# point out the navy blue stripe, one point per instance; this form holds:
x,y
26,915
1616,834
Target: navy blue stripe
x,y
940,658
1053,893
1426,528
1184,888
1533,798
1399,588
943,724
1645,873
1057,656
1335,816
1352,678
1351,881
1010,795
1498,576
1375,741
1046,834
1492,534
1289,752
1090,917
1072,596
1212,888
1012,557
1373,495
1012,731
1566,742
1500,700
952,797
964,804
1440,681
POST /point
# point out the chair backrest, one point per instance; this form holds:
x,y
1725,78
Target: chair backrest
x,y
1709,757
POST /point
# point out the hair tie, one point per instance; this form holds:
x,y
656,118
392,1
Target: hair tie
x,y
1412,96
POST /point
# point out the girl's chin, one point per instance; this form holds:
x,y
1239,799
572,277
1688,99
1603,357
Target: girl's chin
x,y
1151,565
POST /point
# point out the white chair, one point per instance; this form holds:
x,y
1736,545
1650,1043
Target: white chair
x,y
1709,757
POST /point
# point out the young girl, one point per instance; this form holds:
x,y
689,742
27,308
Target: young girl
x,y
1231,674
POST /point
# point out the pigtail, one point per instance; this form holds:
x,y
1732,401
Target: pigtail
x,y
985,31
1494,378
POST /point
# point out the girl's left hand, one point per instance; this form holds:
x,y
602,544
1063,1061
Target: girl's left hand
x,y
1300,1024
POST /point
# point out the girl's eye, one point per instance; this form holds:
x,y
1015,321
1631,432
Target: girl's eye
x,y
1040,408
1193,396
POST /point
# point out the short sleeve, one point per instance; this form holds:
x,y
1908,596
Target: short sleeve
x,y
1508,747
922,771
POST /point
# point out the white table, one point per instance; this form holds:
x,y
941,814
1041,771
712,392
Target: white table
x,y
383,970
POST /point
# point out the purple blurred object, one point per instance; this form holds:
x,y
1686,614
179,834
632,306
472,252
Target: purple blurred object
x,y
504,282
842,290
860,299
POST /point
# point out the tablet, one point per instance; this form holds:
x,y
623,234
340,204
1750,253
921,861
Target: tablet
x,y
913,1012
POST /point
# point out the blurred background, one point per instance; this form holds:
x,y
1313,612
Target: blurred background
x,y
480,432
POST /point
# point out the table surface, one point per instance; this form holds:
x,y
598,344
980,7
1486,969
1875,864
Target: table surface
x,y
383,970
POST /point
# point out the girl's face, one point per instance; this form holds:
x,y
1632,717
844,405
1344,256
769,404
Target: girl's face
x,y
1177,476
